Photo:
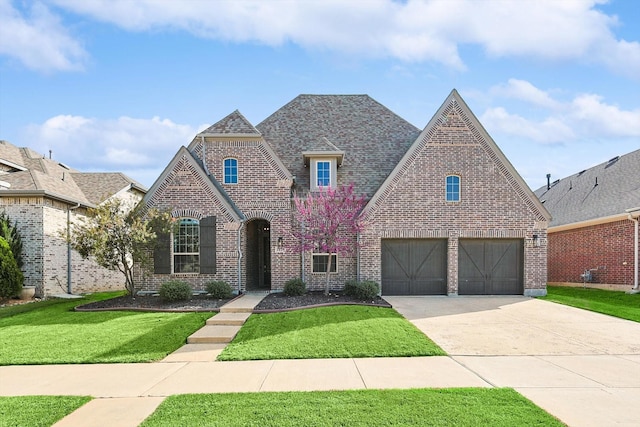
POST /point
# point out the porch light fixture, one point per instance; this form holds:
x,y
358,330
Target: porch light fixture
x,y
536,240
279,241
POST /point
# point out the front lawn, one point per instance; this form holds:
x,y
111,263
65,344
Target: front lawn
x,y
35,411
613,303
51,332
417,407
329,332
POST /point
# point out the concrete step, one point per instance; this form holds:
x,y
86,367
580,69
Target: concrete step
x,y
229,319
244,304
211,334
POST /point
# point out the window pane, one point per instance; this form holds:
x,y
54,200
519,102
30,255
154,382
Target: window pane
x,y
186,263
320,263
230,171
323,174
186,246
453,188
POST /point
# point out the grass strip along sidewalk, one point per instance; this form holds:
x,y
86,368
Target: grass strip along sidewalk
x,y
329,332
613,303
51,332
416,407
36,411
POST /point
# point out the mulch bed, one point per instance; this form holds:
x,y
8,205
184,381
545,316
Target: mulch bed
x,y
271,303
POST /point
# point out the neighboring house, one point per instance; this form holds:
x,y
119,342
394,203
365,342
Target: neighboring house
x,y
593,236
43,196
447,213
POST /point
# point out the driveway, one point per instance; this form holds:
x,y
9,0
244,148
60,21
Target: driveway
x,y
582,367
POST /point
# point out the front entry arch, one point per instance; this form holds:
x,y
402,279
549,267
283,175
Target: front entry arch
x,y
258,255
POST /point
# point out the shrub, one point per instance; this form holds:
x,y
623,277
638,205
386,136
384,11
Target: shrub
x,y
175,290
295,287
11,278
219,289
362,290
9,231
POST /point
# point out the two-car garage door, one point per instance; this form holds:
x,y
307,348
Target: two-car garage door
x,y
485,267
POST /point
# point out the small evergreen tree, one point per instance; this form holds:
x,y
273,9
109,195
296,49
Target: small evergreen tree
x,y
10,233
11,278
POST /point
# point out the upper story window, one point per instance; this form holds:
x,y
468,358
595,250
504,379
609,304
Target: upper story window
x,y
453,188
230,171
323,173
186,246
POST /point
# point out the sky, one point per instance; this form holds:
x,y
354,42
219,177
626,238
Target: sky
x,y
121,85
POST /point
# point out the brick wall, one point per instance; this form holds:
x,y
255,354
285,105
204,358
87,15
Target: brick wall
x,y
605,247
491,205
42,224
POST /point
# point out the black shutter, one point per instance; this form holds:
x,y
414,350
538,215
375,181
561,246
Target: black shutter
x,y
208,245
162,254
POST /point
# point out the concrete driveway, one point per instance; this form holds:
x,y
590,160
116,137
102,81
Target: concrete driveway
x,y
580,366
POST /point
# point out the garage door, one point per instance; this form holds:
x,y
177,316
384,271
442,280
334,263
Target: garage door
x,y
490,267
414,267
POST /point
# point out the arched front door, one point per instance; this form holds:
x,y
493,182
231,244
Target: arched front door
x,y
258,255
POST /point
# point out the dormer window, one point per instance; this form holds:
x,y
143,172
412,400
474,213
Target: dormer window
x,y
323,173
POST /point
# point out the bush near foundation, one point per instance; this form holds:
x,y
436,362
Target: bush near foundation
x,y
362,290
11,278
219,289
175,290
294,288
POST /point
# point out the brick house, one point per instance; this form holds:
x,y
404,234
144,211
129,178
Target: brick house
x,y
593,237
43,196
447,213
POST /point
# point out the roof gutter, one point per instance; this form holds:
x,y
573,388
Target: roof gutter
x,y
44,193
588,222
633,215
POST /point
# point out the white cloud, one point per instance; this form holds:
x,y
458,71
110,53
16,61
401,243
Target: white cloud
x,y
525,91
140,147
415,30
549,130
585,117
38,40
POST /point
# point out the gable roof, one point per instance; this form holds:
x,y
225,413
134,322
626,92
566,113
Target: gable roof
x,y
184,155
601,192
30,173
372,137
454,105
235,124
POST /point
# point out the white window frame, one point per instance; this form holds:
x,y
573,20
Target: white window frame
x,y
333,265
447,192
224,171
314,173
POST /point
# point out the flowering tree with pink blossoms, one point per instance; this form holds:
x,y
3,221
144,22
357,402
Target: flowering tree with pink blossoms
x,y
328,222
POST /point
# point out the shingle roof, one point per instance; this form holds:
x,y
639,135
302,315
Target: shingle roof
x,y
577,198
234,124
372,137
57,179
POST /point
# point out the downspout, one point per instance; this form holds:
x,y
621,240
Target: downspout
x,y
69,209
239,240
358,256
635,252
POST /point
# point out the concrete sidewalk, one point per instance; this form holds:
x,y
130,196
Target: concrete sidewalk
x,y
582,367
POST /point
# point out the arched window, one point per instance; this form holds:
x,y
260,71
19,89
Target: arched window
x,y
186,246
453,188
230,171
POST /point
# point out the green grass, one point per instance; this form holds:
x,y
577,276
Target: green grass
x,y
36,411
51,332
613,303
329,332
417,407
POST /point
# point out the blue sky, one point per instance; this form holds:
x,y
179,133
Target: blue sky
x,y
111,85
